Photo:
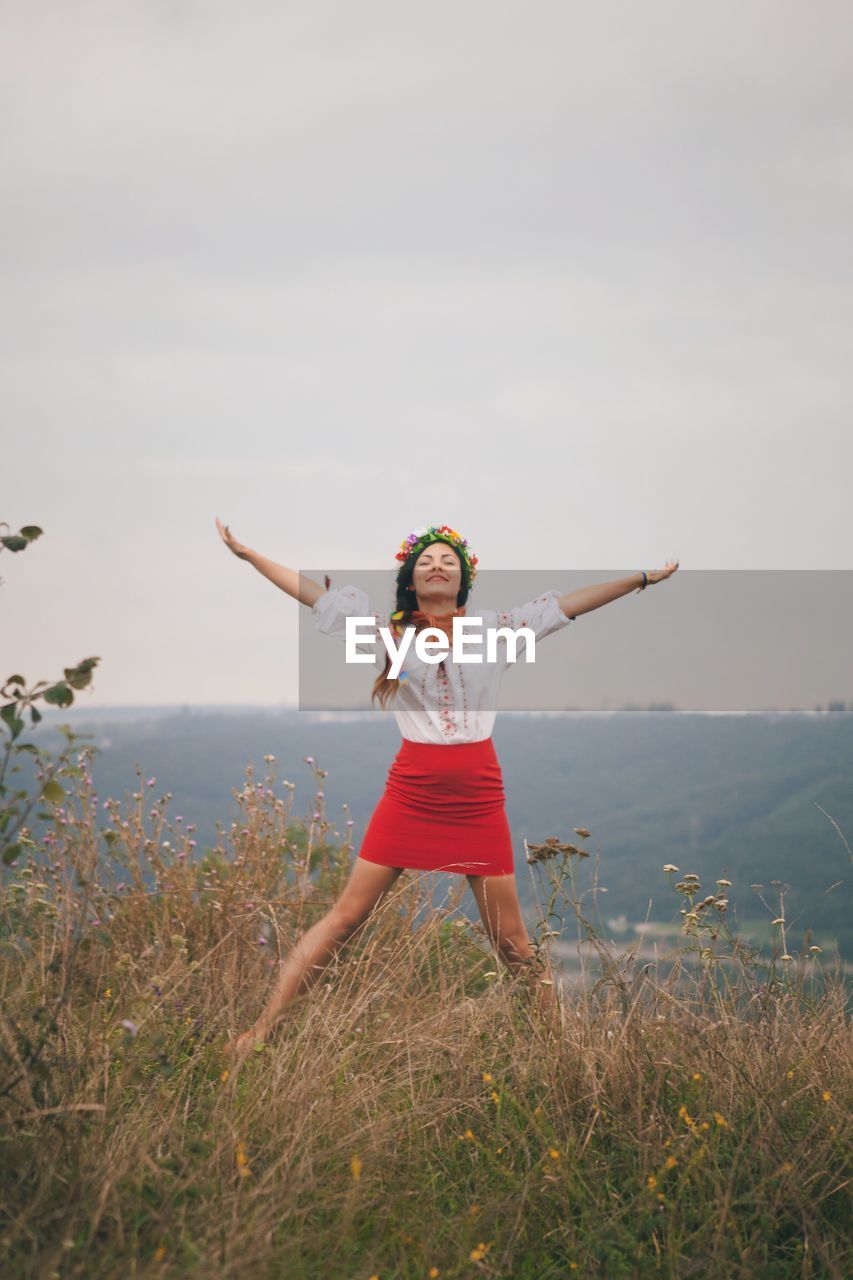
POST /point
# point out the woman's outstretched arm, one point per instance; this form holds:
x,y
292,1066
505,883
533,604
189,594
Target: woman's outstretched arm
x,y
302,588
585,599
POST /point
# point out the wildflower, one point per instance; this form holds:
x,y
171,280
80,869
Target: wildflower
x,y
495,1096
151,782
814,950
651,1182
469,1134
691,875
721,1120
242,1160
308,759
582,831
669,867
727,883
433,1272
704,1125
686,1116
130,1027
477,1255
786,957
225,1074
107,992
670,1162
697,1075
487,1076
553,1153
473,1210
826,1095
159,1253
355,1166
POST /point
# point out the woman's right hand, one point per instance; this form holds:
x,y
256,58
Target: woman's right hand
x,y
231,542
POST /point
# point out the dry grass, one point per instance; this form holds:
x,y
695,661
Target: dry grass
x,y
411,1116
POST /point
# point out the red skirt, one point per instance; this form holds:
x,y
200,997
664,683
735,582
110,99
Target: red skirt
x,y
443,809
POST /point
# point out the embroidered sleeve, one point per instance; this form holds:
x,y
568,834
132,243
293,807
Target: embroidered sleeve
x,y
334,606
542,615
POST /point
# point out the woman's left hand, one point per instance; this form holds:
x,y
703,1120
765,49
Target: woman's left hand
x,y
658,575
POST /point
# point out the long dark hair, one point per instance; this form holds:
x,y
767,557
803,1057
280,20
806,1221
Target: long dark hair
x,y
384,688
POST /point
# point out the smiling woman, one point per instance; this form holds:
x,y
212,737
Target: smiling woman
x,y
443,807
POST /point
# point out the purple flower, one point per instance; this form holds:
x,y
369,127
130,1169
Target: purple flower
x,y
308,759
130,1026
151,782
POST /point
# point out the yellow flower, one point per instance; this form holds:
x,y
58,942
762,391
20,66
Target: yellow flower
x,y
487,1076
433,1272
670,1162
225,1075
826,1095
159,1254
469,1133
704,1125
651,1182
537,1110
355,1166
495,1096
721,1120
553,1153
242,1160
697,1075
686,1116
789,1074
477,1255
473,1210
108,992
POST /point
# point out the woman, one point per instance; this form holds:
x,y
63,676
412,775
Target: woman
x,y
443,808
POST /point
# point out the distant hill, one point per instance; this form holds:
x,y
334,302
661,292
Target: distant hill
x,y
734,796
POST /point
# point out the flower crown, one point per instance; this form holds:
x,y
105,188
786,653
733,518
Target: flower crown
x,y
421,538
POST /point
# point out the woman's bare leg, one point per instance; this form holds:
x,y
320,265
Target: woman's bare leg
x,y
365,889
500,910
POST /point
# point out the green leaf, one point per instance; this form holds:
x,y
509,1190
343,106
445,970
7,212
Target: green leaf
x,y
11,852
35,715
12,542
31,531
53,792
59,694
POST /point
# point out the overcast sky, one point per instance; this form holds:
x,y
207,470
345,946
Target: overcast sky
x,y
572,278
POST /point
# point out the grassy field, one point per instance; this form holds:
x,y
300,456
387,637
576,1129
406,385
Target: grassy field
x,y
413,1115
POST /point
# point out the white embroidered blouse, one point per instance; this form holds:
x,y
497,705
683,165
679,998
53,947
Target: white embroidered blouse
x,y
445,702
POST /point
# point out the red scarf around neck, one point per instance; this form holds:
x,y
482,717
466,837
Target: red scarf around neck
x,y
442,621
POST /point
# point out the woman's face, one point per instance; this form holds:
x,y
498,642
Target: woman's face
x,y
437,576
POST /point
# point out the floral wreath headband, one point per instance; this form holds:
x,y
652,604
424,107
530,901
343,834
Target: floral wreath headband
x,y
420,538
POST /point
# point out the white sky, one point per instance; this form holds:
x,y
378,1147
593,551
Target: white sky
x,y
572,278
